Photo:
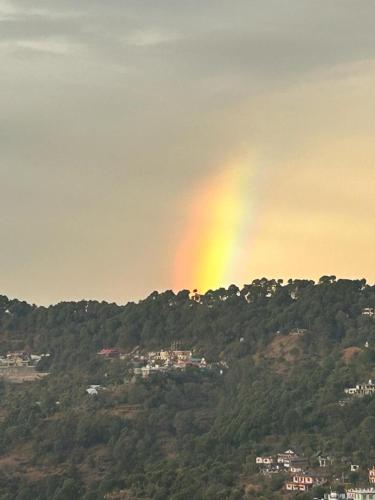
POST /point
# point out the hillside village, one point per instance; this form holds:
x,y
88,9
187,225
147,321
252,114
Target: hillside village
x,y
163,361
299,475
260,393
302,474
21,366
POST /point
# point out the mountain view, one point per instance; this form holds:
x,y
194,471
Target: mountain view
x,y
220,395
187,279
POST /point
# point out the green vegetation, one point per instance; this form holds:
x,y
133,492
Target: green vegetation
x,y
192,434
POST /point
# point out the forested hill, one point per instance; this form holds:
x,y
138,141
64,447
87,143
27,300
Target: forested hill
x,y
289,350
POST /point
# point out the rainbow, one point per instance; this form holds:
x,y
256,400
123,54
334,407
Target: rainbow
x,y
213,249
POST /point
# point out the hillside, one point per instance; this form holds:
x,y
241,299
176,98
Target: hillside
x,y
276,361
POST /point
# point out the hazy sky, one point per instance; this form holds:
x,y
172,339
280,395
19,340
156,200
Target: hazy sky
x,y
124,124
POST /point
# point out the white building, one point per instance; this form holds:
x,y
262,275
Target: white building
x,y
93,390
266,460
361,494
361,389
368,311
282,458
335,496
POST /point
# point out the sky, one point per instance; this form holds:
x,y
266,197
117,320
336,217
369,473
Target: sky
x,y
154,144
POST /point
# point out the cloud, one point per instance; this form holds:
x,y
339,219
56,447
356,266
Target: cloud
x,y
261,40
149,38
55,47
111,111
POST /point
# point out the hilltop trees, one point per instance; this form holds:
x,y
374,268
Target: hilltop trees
x,y
291,349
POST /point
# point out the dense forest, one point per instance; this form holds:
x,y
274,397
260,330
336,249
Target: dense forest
x,y
189,434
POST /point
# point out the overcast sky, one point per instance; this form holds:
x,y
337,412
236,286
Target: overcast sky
x,y
113,113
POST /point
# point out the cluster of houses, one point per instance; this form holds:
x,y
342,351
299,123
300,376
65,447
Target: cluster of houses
x,y
301,478
360,494
20,358
162,361
296,466
361,390
20,366
352,494
166,361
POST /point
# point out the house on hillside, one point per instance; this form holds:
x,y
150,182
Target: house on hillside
x,y
93,390
286,456
304,482
198,362
371,476
182,355
298,332
361,494
160,355
265,460
361,390
368,311
18,358
335,496
291,460
21,358
170,355
151,369
268,470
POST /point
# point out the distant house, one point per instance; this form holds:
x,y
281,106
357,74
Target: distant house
x,y
182,355
93,390
291,459
304,482
286,456
298,332
199,362
170,355
270,469
18,358
296,468
35,358
335,496
361,390
265,460
109,353
150,369
354,467
161,355
361,494
368,311
371,476
21,358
